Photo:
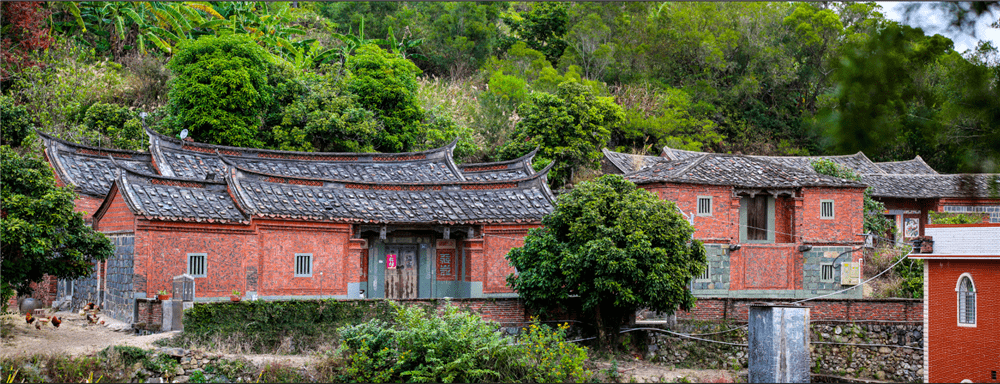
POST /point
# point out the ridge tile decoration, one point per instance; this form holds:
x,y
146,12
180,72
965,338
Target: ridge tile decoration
x,y
917,166
507,202
89,168
737,170
174,199
518,168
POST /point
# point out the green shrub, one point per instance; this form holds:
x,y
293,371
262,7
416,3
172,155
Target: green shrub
x,y
456,346
956,218
118,126
221,90
15,123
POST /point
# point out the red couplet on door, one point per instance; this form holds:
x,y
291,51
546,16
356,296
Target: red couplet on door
x,y
390,261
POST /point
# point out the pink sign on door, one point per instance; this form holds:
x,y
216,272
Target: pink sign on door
x,y
390,261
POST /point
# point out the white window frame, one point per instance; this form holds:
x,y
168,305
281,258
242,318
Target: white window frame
x,y
698,207
833,210
833,273
960,302
309,265
705,276
204,264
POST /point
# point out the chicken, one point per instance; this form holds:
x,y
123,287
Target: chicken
x,y
28,318
55,321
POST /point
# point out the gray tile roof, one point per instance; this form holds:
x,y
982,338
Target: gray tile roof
x,y
518,168
917,166
521,200
735,170
196,160
89,169
964,241
857,162
627,163
934,186
174,199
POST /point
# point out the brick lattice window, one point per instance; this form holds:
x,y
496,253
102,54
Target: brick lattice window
x,y
303,264
704,206
705,275
966,301
826,209
196,264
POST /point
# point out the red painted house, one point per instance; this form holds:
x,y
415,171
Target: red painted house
x,y
961,302
280,225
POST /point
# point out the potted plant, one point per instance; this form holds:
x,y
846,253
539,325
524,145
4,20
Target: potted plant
x,y
162,295
236,296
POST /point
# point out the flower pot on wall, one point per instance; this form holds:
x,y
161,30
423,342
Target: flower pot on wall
x,y
163,297
234,298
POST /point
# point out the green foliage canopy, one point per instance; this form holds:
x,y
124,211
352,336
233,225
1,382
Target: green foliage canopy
x,y
386,83
221,90
570,126
618,247
40,232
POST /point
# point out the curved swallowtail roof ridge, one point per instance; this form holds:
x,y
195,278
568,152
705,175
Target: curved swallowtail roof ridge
x,y
266,195
88,169
195,160
500,170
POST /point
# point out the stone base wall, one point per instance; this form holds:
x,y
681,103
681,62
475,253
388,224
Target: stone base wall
x,y
860,350
150,315
735,309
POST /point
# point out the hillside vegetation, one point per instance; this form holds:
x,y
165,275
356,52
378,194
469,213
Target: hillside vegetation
x,y
504,77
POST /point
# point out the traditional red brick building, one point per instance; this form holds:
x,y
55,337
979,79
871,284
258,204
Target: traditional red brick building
x,y
293,225
770,230
909,189
961,302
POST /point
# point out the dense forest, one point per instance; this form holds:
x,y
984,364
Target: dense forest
x,y
504,77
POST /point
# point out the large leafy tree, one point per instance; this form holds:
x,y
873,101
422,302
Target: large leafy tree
x,y
569,126
618,247
39,232
221,91
386,84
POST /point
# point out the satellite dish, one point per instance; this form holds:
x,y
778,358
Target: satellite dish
x,y
184,134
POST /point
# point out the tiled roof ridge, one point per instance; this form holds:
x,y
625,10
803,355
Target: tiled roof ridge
x,y
70,144
527,157
789,169
127,176
667,149
178,144
917,158
541,175
699,160
621,167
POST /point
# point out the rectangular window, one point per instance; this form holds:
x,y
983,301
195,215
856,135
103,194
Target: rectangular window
x,y
757,227
705,275
704,206
826,273
196,264
303,264
826,209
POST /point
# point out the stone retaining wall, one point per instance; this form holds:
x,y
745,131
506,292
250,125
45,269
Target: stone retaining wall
x,y
883,358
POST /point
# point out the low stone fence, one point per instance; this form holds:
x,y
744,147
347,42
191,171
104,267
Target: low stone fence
x,y
190,361
873,350
728,309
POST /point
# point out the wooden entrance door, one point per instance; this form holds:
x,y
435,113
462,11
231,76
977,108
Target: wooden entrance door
x,y
401,281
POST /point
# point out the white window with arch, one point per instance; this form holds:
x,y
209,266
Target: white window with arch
x,y
966,301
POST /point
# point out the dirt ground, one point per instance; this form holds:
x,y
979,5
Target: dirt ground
x,y
76,337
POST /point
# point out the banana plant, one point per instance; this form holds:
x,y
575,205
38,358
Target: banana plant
x,y
403,46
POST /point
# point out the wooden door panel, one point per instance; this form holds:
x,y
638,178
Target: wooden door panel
x,y
401,283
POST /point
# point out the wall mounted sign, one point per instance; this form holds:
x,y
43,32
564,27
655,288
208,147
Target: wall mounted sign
x,y
390,261
446,267
912,227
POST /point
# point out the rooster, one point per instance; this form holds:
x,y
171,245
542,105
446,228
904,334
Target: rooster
x,y
55,321
28,318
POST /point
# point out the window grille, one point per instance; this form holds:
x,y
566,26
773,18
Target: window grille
x,y
827,272
826,209
704,206
303,264
966,301
705,275
196,264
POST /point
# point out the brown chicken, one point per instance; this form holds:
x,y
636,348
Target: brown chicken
x,y
55,321
28,318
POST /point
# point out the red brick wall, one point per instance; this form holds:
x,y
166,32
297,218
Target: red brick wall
x,y
956,353
848,215
162,249
46,290
475,266
88,205
820,309
118,217
150,312
328,244
784,219
723,225
498,240
764,266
